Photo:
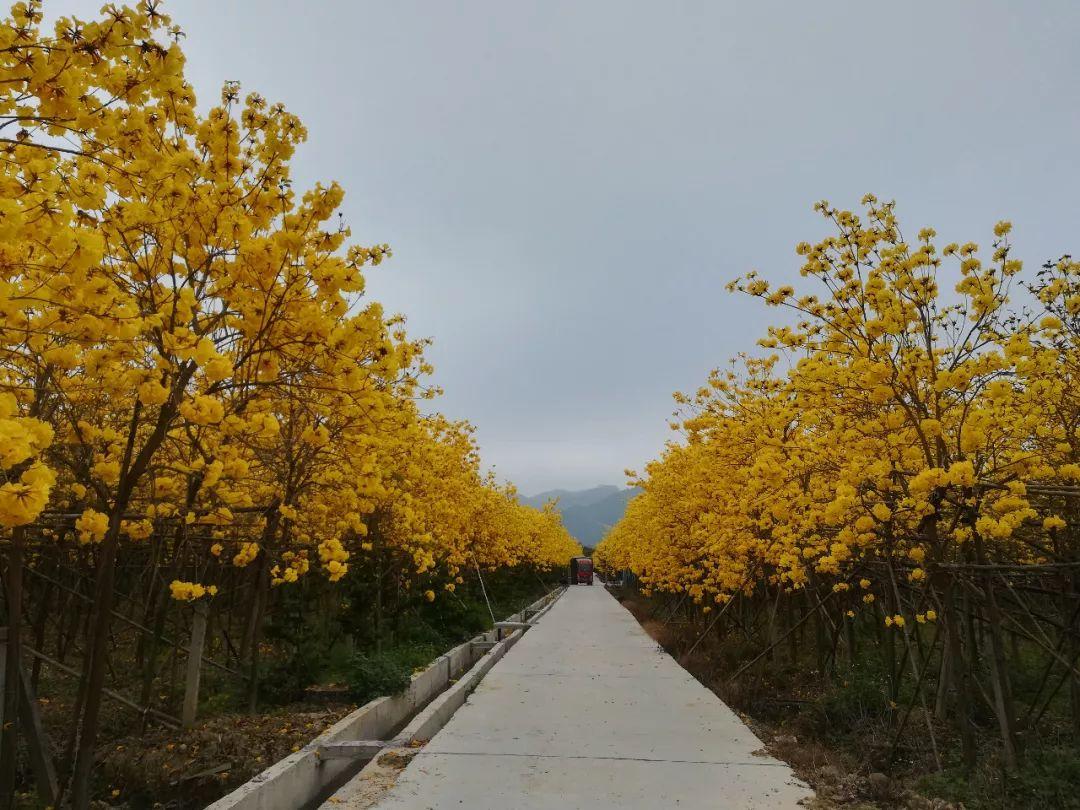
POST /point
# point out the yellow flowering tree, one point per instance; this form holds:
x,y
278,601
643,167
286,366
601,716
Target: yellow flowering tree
x,y
907,443
192,383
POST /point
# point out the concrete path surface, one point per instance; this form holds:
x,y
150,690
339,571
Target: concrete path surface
x,y
588,712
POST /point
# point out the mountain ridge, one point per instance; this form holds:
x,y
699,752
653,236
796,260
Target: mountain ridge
x,y
586,513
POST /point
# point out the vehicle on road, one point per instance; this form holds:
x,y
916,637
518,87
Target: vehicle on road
x,y
581,571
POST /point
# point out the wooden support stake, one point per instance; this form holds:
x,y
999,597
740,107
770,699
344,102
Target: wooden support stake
x,y
194,662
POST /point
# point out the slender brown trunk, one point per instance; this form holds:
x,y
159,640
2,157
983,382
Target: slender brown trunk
x,y
960,676
999,672
150,605
161,615
246,639
40,621
945,685
174,663
1072,632
258,607
378,613
9,739
70,628
852,644
96,664
770,639
62,612
793,638
256,637
153,650
820,644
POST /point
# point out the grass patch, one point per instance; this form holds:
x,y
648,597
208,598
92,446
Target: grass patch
x,y
1049,777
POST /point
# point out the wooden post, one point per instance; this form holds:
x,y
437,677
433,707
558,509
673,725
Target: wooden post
x,y
194,663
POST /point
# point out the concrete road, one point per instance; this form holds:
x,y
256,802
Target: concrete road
x,y
588,712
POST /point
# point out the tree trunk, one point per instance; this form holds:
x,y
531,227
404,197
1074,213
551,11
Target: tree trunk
x,y
999,672
1072,632
40,621
378,614
852,643
770,639
160,617
95,663
261,594
944,685
153,650
9,739
793,638
960,676
820,644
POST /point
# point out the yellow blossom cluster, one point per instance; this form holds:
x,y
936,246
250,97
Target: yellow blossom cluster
x,y
904,419
190,591
193,331
27,484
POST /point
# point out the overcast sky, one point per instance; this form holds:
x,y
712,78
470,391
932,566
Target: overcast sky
x,y
568,186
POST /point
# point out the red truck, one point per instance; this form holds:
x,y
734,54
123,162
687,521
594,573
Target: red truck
x,y
581,571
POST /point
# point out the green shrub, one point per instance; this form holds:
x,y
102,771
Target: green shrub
x,y
860,694
450,620
1048,777
283,680
371,675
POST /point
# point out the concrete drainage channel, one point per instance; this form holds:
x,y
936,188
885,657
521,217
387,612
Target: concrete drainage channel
x,y
374,742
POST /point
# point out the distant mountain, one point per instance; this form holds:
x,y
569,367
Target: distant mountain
x,y
568,498
587,513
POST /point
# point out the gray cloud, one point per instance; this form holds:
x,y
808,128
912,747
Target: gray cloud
x,y
569,185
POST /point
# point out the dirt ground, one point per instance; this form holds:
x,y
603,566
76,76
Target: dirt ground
x,y
189,769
